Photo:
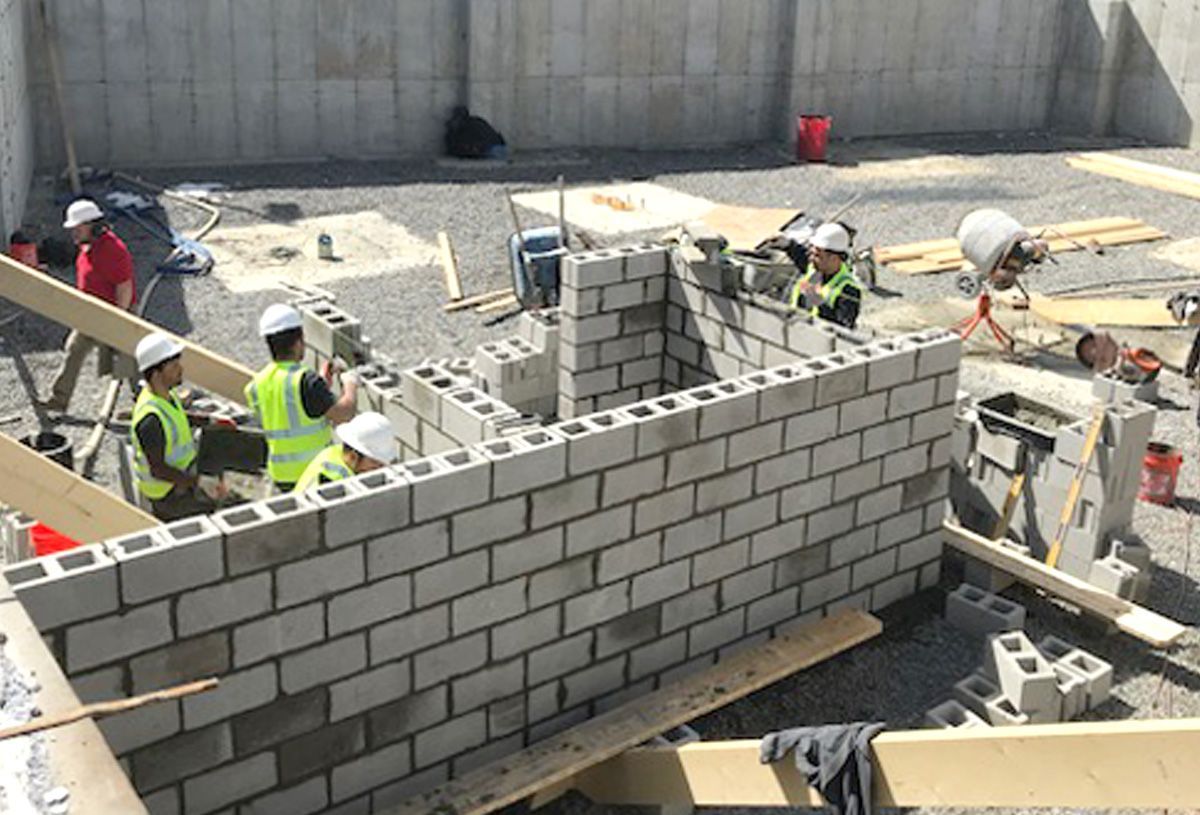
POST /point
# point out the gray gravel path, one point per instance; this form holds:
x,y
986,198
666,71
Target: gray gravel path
x,y
912,666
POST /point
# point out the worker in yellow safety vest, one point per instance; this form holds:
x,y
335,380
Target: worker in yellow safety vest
x,y
368,442
161,434
828,288
296,407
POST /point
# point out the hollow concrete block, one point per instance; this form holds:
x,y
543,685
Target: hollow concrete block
x,y
951,715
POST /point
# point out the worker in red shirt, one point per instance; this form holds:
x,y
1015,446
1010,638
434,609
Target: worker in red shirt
x,y
104,269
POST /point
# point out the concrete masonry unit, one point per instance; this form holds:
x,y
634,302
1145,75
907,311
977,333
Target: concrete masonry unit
x,y
378,635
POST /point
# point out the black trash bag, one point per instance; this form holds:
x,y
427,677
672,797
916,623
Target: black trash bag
x,y
470,136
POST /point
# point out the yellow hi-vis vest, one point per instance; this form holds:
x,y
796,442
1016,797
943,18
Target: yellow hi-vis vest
x,y
180,450
330,463
293,439
830,291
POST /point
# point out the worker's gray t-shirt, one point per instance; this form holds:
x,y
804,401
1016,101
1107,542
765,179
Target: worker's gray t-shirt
x,y
151,437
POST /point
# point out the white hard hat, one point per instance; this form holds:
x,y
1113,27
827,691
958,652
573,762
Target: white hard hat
x,y
371,435
278,318
154,348
832,238
83,211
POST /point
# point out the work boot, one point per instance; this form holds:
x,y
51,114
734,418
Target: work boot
x,y
52,405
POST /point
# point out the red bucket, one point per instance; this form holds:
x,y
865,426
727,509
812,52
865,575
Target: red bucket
x,y
1160,472
812,137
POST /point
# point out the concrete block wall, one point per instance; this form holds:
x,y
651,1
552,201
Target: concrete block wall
x,y
380,634
17,157
611,328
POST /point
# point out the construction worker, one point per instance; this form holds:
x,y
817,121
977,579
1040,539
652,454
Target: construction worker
x,y
161,435
828,288
295,406
368,442
103,269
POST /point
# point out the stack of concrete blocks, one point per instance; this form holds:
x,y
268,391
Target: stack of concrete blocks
x,y
1104,509
522,371
1022,684
611,328
377,635
16,540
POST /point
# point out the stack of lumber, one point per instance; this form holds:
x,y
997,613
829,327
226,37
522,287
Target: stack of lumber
x,y
944,255
1167,179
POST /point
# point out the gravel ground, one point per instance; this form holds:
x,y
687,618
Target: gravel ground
x,y
913,664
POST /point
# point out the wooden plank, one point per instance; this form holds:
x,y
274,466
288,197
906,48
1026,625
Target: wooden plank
x,y
1085,457
497,305
1133,619
544,764
1102,765
1185,177
450,267
746,227
1098,311
913,251
476,299
62,499
1151,177
1010,504
119,329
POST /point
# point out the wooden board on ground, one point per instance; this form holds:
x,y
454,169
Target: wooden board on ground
x,y
497,304
1101,765
1098,311
1135,620
651,206
476,299
63,500
41,293
747,227
556,759
944,255
1144,174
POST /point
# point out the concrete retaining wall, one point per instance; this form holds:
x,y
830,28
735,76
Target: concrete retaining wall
x,y
16,115
378,635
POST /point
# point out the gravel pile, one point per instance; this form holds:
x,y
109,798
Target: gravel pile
x,y
914,663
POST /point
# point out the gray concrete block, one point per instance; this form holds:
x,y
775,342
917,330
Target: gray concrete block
x,y
724,407
979,612
951,714
596,607
322,664
687,609
658,584
278,634
317,577
181,756
179,556
1023,675
824,589
451,578
369,690
654,657
111,638
448,483
284,719
938,351
806,497
750,516
976,692
225,603
1095,672
906,400
777,540
268,532
321,749
487,685
594,681
1072,687
493,604
527,461
134,729
408,549
450,738
370,771
302,799
1001,712
790,392
696,461
562,657
374,603
180,662
414,712
1114,576
564,501
447,661
79,584
889,363
664,510
363,507
238,692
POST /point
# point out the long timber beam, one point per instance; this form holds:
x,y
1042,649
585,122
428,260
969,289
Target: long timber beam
x,y
41,293
1103,765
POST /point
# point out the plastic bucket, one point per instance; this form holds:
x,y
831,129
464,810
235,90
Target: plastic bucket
x,y
26,253
1160,472
812,137
53,446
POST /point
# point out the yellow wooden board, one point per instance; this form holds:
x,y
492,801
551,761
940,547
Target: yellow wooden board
x,y
1131,618
1098,311
560,757
1084,765
1165,179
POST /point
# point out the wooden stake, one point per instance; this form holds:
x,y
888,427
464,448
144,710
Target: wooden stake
x,y
496,305
450,267
99,710
1085,458
56,80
